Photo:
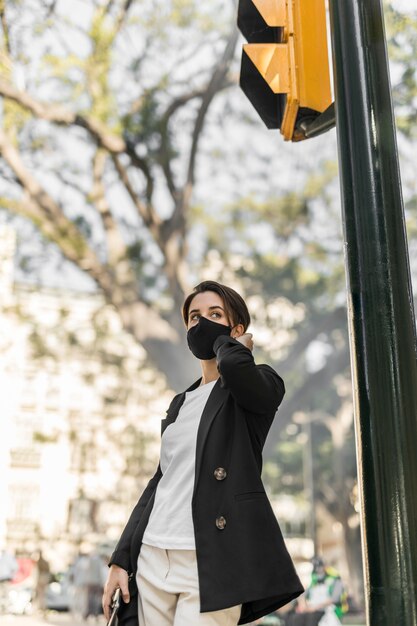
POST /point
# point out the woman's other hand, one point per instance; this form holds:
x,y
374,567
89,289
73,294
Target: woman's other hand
x,y
246,339
117,578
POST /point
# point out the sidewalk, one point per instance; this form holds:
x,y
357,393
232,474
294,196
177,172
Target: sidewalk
x,y
51,619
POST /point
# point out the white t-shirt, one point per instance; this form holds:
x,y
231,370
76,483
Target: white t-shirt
x,y
170,524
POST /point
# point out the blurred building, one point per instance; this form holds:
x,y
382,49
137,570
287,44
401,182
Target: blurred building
x,y
292,514
80,413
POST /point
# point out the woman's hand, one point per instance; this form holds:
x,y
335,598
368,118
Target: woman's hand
x,y
246,339
117,578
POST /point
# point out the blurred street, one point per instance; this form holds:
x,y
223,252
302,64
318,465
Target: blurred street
x,y
65,619
53,619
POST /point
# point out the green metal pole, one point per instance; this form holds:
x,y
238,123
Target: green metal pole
x,y
381,316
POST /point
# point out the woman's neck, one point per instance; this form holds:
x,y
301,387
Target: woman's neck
x,y
209,371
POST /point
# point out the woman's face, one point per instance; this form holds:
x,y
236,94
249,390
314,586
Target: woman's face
x,y
210,305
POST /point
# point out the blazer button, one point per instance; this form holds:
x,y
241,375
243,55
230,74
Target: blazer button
x,y
221,522
220,473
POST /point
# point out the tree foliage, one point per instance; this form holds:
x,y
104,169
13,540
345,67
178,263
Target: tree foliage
x,y
92,143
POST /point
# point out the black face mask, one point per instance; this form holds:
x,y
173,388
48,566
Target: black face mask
x,y
202,336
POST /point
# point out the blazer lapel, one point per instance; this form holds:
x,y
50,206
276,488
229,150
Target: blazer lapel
x,y
215,400
175,406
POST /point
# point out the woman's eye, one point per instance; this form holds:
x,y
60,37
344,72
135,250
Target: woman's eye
x,y
216,314
194,317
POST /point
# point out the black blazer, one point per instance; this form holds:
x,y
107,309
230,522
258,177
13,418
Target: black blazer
x,y
241,555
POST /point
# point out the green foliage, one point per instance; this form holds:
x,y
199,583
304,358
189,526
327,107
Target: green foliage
x,y
278,235
159,19
15,118
39,345
402,39
284,214
283,471
97,68
142,127
83,225
136,444
135,254
39,437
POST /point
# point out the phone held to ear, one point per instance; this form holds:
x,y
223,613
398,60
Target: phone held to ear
x,y
115,605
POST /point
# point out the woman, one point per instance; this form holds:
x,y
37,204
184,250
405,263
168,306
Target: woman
x,y
202,545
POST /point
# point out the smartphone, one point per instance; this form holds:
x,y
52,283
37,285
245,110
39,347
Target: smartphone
x,y
115,604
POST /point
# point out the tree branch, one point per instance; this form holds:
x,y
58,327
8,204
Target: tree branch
x,y
50,8
146,212
215,84
165,160
5,26
158,337
124,10
142,165
63,117
114,144
38,206
64,180
176,104
116,247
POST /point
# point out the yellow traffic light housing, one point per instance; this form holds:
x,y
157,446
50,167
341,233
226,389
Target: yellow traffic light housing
x,y
288,49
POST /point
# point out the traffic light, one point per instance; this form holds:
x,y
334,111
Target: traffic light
x,y
285,67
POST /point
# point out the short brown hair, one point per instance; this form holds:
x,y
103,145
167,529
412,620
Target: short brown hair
x,y
235,306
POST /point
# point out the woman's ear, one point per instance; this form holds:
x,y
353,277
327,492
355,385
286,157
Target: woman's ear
x,y
237,331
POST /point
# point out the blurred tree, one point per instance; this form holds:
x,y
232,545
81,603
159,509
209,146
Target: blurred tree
x,y
102,127
402,46
402,30
92,81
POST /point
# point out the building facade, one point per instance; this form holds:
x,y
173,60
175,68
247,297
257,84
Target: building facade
x,y
80,412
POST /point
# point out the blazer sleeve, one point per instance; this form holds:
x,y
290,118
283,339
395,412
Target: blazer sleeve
x,y
121,554
258,388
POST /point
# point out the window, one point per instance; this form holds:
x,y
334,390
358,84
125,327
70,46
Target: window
x,y
23,502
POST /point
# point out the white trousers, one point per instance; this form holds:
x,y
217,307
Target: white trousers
x,y
169,594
